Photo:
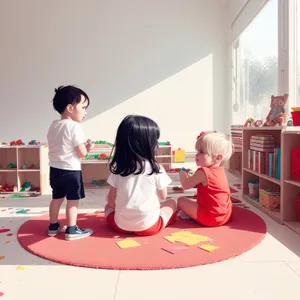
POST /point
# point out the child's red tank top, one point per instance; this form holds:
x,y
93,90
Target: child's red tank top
x,y
214,201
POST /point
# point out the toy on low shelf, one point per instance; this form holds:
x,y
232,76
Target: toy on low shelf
x,y
250,122
100,182
28,187
11,166
167,143
7,188
33,142
30,166
17,143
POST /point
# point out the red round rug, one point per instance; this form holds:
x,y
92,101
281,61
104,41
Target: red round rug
x,y
243,232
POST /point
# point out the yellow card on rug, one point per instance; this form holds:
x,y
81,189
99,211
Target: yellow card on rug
x,y
208,248
171,238
181,233
127,243
188,240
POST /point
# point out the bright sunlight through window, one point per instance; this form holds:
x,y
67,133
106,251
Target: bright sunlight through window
x,y
255,66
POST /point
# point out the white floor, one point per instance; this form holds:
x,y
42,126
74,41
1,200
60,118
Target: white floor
x,y
269,271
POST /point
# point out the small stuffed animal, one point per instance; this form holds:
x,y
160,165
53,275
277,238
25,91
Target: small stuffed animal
x,y
275,116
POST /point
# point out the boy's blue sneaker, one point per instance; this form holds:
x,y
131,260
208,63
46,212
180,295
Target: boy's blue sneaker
x,y
54,229
76,233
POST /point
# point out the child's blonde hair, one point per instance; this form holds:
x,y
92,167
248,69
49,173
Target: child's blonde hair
x,y
214,144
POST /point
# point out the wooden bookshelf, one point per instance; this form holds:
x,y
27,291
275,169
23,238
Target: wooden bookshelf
x,y
97,170
20,156
286,138
265,181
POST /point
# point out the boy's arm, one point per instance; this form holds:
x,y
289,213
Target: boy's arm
x,y
188,182
83,149
111,197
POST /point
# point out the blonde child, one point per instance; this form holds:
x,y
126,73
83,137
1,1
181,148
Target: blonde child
x,y
212,206
138,183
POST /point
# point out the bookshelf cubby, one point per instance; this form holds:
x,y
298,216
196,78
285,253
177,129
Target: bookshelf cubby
x,y
164,156
234,164
291,188
37,170
286,138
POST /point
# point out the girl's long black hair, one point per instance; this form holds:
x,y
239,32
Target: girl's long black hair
x,y
136,141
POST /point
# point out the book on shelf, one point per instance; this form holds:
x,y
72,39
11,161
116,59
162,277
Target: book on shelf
x,y
265,162
264,156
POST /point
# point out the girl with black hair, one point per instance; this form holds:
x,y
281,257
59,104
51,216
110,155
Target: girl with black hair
x,y
137,182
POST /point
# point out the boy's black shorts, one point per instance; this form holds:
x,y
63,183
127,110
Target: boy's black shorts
x,y
66,183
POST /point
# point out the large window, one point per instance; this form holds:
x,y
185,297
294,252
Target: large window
x,y
255,66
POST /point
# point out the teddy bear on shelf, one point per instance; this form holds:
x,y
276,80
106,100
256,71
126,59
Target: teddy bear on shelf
x,y
277,111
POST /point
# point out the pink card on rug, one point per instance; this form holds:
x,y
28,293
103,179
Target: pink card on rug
x,y
174,250
4,230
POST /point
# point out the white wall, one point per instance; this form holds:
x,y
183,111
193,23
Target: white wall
x,y
166,59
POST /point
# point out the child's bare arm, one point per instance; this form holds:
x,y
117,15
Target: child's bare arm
x,y
188,182
163,194
83,149
111,197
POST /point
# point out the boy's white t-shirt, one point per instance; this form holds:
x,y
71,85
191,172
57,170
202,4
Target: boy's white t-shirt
x,y
63,136
137,202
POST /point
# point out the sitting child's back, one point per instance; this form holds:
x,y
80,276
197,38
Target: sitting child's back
x,y
138,182
137,201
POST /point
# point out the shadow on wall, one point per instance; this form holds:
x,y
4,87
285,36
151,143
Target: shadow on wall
x,y
116,52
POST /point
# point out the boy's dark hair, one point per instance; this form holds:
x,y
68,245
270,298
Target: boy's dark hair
x,y
65,95
136,141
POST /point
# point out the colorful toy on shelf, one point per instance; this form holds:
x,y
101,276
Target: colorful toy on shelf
x,y
249,122
179,155
296,116
28,187
258,123
8,188
33,142
277,114
103,143
103,156
167,143
11,166
178,189
32,166
290,123
98,182
17,143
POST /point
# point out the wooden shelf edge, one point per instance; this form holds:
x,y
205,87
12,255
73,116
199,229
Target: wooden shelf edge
x,y
275,215
264,128
293,182
264,176
295,226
